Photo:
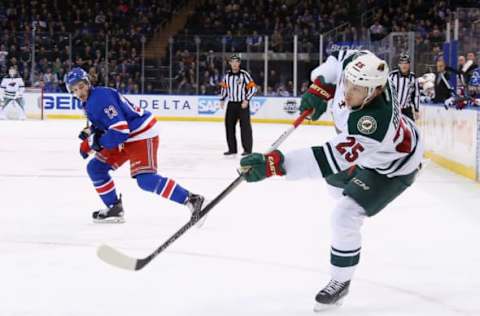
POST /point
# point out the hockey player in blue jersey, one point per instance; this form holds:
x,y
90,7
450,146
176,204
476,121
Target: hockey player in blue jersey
x,y
121,131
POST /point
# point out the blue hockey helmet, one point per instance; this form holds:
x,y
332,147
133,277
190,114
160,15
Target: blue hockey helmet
x,y
74,76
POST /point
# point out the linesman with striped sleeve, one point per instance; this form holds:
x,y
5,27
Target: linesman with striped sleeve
x,y
406,84
238,89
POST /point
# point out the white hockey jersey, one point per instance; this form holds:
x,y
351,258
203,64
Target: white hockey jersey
x,y
12,88
376,137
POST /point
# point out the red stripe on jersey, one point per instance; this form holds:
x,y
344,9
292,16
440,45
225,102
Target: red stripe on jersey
x,y
168,189
120,127
146,128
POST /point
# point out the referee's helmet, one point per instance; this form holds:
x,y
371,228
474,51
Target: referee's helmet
x,y
235,57
404,59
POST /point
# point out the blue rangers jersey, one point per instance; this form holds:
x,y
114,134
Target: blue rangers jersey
x,y
119,120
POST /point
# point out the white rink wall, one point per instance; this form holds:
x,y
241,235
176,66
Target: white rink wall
x,y
180,107
451,137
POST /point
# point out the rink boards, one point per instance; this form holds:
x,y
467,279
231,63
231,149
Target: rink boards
x,y
179,108
451,137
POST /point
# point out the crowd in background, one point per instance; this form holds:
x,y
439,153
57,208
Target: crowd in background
x,y
74,33
240,26
85,25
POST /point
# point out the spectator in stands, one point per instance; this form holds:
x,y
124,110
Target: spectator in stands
x,y
3,57
273,78
465,69
149,89
203,90
377,31
270,92
470,64
304,87
460,75
213,80
51,80
136,89
282,92
93,76
277,42
442,86
255,41
289,87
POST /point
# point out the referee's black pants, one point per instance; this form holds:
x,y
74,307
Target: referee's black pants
x,y
236,113
408,112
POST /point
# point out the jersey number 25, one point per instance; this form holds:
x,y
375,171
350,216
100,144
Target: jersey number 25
x,y
355,149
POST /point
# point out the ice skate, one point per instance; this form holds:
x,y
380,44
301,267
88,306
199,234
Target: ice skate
x,y
331,296
113,214
195,203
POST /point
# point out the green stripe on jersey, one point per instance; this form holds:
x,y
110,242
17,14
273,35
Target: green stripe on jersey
x,y
322,161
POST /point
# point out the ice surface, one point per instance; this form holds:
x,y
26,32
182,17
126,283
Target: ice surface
x,y
264,250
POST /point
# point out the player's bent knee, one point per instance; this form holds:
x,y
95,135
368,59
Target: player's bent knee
x,y
148,181
142,182
95,167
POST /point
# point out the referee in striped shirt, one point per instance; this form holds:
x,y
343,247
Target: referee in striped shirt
x,y
238,88
406,85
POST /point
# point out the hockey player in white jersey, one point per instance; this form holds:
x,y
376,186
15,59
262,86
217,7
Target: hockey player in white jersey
x,y
12,89
372,160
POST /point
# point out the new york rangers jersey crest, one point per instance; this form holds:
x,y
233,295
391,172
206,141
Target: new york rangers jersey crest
x,y
111,112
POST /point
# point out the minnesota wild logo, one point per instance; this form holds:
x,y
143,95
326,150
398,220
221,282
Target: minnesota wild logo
x,y
367,125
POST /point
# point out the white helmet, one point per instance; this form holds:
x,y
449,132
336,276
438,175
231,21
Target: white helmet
x,y
367,70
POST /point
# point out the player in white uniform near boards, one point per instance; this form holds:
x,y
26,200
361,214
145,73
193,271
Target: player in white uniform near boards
x,y
372,160
12,89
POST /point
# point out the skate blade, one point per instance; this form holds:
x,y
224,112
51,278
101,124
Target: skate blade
x,y
202,221
319,307
119,220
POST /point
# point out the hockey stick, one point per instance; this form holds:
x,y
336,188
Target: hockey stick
x,y
116,258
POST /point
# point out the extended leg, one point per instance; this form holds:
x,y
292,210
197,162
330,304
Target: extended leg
x,y
165,187
169,189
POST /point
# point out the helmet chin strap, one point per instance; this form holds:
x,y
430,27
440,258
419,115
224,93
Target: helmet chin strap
x,y
367,99
370,96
